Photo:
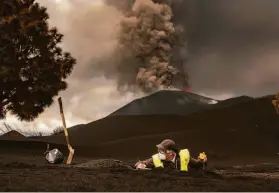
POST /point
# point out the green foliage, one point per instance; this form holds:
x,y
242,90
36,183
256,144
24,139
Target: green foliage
x,y
33,67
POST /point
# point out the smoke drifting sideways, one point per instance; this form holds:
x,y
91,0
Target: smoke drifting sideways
x,y
232,46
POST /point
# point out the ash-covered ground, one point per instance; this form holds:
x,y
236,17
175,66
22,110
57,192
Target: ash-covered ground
x,y
30,174
239,136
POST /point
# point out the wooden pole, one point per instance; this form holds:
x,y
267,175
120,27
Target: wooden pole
x,y
71,150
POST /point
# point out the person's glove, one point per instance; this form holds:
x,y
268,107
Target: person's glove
x,y
203,157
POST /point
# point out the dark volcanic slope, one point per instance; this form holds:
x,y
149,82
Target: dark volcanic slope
x,y
13,135
233,101
166,102
247,128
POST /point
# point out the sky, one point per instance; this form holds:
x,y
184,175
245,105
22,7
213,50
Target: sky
x,y
232,56
86,99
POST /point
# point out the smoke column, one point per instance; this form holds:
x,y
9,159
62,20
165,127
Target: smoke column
x,y
232,45
146,56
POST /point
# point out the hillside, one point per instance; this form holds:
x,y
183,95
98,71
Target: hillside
x,y
166,102
235,100
13,135
238,129
234,127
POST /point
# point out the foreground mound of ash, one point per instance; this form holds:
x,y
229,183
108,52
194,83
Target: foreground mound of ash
x,y
238,135
114,175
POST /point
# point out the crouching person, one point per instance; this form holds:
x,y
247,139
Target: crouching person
x,y
169,156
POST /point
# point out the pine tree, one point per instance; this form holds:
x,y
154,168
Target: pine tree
x,y
33,68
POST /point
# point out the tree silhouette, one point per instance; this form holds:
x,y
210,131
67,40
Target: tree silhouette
x,y
33,67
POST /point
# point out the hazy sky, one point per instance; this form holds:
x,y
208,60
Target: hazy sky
x,y
89,34
234,51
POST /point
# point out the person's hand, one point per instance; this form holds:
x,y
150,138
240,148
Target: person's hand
x,y
140,165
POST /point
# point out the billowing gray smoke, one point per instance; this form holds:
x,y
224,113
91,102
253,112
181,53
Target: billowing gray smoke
x,y
149,35
146,56
232,45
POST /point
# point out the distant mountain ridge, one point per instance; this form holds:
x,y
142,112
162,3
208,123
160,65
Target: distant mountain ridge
x,y
166,102
177,103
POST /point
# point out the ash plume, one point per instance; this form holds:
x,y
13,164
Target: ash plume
x,y
232,46
145,56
